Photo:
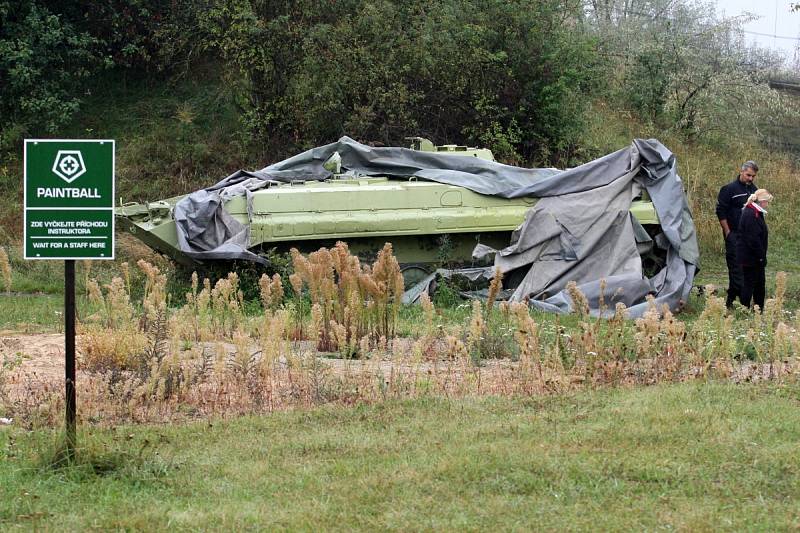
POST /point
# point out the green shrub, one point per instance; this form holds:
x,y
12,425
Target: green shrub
x,y
43,60
509,74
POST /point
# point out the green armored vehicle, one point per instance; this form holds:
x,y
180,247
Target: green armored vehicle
x,y
427,222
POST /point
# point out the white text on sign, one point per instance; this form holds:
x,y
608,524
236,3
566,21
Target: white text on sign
x,y
66,192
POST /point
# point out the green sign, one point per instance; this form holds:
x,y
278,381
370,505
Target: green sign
x,y
69,199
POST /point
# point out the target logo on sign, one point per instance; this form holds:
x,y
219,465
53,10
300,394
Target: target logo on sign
x,y
69,165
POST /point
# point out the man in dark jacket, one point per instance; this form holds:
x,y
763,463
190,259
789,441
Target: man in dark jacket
x,y
730,201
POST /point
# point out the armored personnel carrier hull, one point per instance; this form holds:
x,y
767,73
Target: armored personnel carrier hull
x,y
428,223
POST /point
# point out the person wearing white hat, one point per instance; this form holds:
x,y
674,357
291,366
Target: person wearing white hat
x,y
751,248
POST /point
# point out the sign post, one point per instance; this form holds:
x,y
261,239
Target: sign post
x,y
69,215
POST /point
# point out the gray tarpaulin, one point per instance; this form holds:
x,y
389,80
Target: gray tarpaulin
x,y
581,229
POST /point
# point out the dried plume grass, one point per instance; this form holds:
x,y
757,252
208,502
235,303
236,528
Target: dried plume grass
x,y
5,269
116,335
271,290
143,361
494,289
352,301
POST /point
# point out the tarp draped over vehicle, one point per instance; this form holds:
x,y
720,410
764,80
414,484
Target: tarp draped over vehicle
x,y
580,230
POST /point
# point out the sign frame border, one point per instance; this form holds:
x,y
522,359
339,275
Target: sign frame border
x,y
113,255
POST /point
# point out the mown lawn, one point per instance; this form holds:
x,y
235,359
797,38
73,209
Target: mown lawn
x,y
692,456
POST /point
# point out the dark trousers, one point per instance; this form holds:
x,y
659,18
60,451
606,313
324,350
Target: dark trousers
x,y
753,286
734,270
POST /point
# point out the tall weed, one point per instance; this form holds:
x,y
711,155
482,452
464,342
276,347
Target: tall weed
x,y
5,269
146,361
350,301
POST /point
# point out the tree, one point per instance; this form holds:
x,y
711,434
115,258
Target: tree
x,y
680,66
43,60
508,73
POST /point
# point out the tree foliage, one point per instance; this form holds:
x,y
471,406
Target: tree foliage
x,y
128,33
681,66
49,49
506,74
515,75
43,59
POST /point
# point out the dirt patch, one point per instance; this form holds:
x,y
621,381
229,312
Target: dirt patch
x,y
32,373
35,360
213,380
40,358
39,355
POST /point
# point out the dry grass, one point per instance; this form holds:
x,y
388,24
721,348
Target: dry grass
x,y
5,269
144,361
353,305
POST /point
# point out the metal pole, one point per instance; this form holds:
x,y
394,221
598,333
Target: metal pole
x,y
69,366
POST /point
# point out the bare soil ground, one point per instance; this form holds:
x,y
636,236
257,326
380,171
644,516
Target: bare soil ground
x,y
32,378
35,362
32,375
40,356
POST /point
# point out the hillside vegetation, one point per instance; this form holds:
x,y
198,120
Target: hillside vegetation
x,y
193,92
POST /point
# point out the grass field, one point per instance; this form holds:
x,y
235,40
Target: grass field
x,y
687,456
30,313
